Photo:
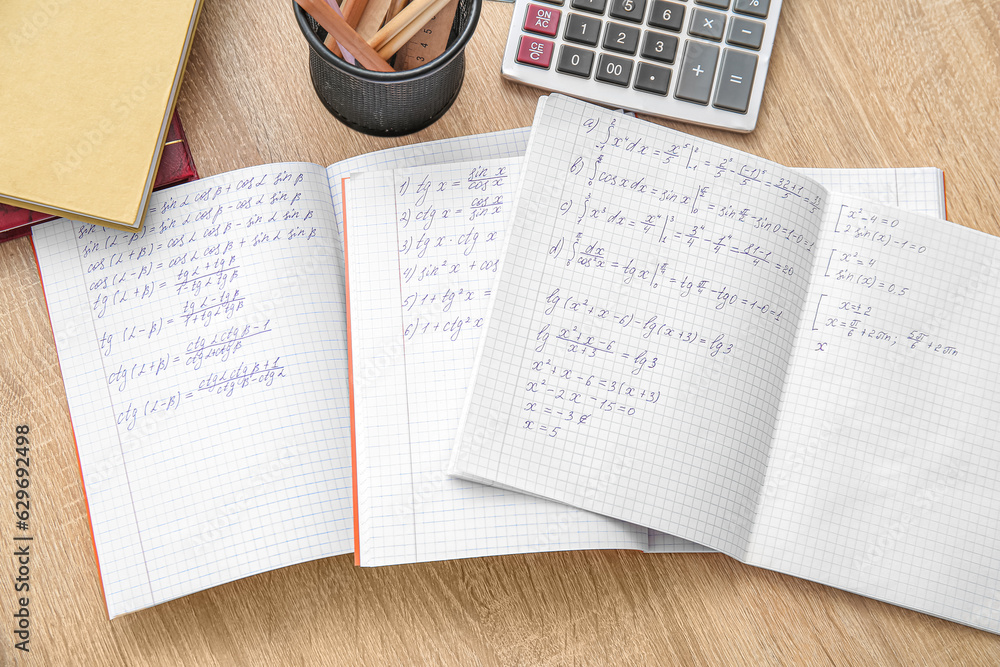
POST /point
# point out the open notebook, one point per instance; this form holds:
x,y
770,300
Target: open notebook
x,y
423,247
801,379
205,367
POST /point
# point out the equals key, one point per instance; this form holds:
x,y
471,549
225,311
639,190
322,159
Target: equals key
x,y
736,73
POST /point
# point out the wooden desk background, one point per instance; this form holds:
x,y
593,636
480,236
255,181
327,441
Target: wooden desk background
x,y
853,83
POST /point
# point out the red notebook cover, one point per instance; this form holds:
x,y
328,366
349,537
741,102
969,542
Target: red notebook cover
x,y
176,166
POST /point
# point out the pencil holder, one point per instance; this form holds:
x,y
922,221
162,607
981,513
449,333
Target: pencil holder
x,y
390,104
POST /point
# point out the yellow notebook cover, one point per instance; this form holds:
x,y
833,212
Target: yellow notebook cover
x,y
86,93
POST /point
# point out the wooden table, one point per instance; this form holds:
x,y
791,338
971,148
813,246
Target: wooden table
x,y
852,84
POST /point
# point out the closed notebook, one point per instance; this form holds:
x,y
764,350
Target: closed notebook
x,y
85,103
176,166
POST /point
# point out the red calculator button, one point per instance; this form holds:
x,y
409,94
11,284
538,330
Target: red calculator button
x,y
534,51
542,20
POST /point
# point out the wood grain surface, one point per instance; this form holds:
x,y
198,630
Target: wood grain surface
x,y
854,83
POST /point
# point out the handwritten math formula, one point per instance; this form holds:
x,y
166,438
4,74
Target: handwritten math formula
x,y
450,235
181,308
658,255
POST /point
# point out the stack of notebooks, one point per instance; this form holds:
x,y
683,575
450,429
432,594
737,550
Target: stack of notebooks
x,y
83,129
595,333
176,166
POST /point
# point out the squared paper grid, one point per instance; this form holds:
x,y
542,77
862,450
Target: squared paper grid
x,y
883,473
623,478
216,488
919,190
899,499
408,389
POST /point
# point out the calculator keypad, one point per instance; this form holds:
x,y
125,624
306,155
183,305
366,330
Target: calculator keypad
x,y
698,60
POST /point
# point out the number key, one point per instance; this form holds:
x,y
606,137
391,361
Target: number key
x,y
621,38
666,15
575,61
657,46
612,69
629,10
582,29
596,6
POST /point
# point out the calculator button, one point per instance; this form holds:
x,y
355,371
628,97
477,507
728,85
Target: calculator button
x,y
621,38
534,51
756,8
575,61
552,2
541,20
628,10
652,79
582,29
666,15
596,6
721,4
657,46
709,25
735,80
612,69
744,32
694,80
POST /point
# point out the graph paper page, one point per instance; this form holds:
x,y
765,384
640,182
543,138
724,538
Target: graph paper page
x,y
643,320
205,367
423,249
919,190
883,475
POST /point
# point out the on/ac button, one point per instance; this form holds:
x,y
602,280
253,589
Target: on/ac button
x,y
542,20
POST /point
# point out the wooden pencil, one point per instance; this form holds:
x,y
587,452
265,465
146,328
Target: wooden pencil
x,y
371,20
402,20
412,28
335,25
394,8
353,9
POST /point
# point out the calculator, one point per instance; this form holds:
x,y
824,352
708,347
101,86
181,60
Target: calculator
x,y
699,61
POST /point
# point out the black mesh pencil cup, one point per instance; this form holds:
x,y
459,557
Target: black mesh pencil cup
x,y
390,104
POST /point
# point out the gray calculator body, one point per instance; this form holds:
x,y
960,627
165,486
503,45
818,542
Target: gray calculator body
x,y
699,61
